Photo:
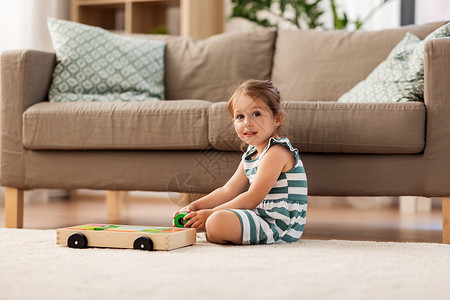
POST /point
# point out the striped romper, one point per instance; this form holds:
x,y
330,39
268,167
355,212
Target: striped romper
x,y
281,216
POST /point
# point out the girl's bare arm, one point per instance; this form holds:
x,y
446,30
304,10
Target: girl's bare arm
x,y
236,185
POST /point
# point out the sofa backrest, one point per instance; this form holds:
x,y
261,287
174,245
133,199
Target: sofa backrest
x,y
311,65
210,69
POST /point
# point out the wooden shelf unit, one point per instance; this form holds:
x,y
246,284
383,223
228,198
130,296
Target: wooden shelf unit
x,y
199,18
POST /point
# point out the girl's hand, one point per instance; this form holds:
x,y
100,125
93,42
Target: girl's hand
x,y
186,209
198,218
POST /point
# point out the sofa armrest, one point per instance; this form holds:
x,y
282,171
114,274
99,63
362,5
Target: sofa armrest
x,y
25,78
437,102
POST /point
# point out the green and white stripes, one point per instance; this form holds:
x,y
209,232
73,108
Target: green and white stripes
x,y
281,216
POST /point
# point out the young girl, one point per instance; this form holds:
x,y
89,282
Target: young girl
x,y
273,208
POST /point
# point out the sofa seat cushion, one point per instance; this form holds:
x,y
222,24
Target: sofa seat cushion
x,y
164,125
330,127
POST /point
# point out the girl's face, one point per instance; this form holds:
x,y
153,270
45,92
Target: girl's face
x,y
254,122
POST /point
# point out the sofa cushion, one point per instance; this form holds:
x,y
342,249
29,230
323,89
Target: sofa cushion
x,y
398,78
331,127
391,80
311,65
163,125
94,64
208,69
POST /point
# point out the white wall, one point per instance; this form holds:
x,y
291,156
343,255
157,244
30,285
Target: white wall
x,y
23,23
388,16
432,10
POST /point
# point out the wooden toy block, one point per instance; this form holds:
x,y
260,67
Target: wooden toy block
x,y
179,219
125,236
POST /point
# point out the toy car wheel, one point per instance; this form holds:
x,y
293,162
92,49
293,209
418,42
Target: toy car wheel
x,y
143,243
77,240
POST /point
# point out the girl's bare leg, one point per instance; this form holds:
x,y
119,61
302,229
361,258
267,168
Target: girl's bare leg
x,y
224,227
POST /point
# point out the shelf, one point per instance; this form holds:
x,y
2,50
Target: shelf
x,y
198,18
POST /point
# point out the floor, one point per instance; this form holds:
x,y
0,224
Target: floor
x,y
342,222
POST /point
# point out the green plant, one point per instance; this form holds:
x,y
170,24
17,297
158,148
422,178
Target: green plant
x,y
159,30
301,13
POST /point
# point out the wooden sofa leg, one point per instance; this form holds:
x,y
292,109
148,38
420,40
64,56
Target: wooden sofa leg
x,y
13,207
114,205
446,220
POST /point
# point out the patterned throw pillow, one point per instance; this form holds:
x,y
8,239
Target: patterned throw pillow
x,y
399,78
93,64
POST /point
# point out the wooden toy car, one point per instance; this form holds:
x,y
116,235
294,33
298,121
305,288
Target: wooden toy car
x,y
125,236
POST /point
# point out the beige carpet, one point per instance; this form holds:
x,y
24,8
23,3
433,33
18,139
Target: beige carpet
x,y
32,266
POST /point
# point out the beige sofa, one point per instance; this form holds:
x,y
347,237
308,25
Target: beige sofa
x,y
187,143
